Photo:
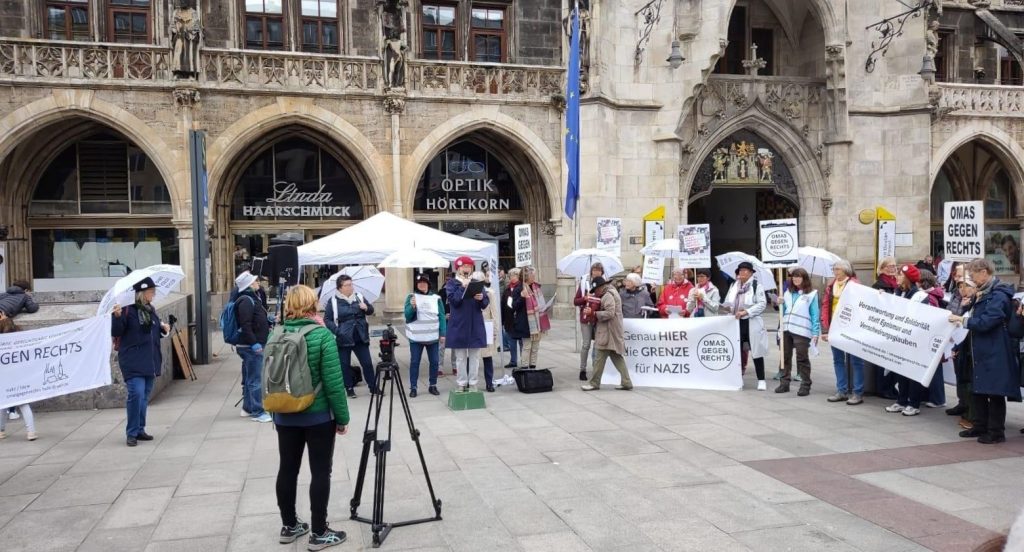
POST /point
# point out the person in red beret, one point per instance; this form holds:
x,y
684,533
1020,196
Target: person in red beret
x,y
909,393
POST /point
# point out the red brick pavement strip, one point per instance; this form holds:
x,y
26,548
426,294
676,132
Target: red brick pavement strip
x,y
830,479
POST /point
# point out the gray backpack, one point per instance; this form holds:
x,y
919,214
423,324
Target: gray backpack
x,y
287,381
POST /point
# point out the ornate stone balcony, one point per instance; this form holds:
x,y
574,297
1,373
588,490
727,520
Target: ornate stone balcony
x,y
70,62
60,63
979,100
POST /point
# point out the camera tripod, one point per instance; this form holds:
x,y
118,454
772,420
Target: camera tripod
x,y
388,378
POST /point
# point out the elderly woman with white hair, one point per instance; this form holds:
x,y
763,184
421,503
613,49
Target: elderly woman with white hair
x,y
844,274
634,297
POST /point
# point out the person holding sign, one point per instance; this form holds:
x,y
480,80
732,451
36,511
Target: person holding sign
x,y
529,303
7,326
139,330
425,327
746,302
996,374
704,298
587,321
843,272
909,392
466,333
673,298
609,338
801,327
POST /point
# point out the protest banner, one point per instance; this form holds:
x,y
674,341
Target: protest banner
x,y
897,334
681,353
609,235
963,230
779,242
654,270
694,245
524,245
49,362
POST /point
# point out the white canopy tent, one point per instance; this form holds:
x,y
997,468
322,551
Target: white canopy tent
x,y
370,241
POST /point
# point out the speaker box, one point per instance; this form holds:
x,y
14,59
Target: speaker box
x,y
282,263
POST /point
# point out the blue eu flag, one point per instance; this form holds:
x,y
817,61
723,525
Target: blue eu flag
x,y
572,117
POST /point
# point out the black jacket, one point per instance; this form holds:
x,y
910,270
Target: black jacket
x,y
252,319
138,351
15,301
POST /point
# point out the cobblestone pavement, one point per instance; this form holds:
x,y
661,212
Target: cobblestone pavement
x,y
651,469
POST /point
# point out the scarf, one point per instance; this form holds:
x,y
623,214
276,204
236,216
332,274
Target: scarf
x,y
891,281
538,321
700,301
741,294
145,314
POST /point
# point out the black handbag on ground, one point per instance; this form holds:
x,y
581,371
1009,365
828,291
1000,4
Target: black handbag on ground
x,y
536,380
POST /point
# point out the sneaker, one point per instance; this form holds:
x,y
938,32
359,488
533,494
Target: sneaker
x,y
855,400
588,387
329,538
894,408
412,393
351,393
263,418
838,397
14,415
433,390
243,414
31,436
291,534
933,405
911,411
762,385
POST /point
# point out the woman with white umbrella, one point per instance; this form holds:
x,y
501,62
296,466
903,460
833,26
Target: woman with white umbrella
x,y
138,329
746,302
345,315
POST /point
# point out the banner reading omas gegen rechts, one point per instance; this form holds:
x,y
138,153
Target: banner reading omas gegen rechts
x,y
49,362
895,333
684,353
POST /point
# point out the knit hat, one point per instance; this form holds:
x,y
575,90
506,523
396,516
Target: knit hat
x,y
144,284
745,265
912,273
244,280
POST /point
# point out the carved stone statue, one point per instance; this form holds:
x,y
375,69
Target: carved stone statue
x,y
584,43
186,36
392,22
931,39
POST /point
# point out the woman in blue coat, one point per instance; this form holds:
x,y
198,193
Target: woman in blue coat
x,y
997,372
345,315
465,332
139,330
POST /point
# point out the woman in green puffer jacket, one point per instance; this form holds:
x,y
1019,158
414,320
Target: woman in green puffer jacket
x,y
314,428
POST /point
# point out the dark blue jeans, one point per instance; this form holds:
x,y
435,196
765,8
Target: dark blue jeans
x,y
139,389
252,380
415,353
362,351
511,345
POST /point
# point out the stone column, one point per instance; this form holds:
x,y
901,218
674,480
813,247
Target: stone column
x,y
396,280
185,98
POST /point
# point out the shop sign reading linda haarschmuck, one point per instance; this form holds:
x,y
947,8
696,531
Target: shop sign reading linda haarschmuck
x,y
289,201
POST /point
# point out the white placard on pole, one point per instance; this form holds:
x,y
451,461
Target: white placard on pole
x,y
654,270
609,235
694,245
963,230
779,242
524,245
654,230
886,240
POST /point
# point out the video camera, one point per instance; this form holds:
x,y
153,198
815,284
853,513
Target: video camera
x,y
388,342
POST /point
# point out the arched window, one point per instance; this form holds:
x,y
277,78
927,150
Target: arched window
x,y
99,210
466,178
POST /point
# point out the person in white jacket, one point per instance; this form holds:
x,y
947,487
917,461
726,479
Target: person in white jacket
x,y
704,299
746,302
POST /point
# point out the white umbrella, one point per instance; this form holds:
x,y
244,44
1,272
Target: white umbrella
x,y
816,261
367,280
667,248
728,262
166,278
578,262
409,257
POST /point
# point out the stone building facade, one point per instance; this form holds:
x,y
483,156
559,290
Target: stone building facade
x,y
317,114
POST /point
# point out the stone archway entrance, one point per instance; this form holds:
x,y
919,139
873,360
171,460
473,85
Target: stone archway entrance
x,y
742,181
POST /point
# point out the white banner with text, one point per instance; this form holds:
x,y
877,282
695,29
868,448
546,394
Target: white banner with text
x,y
50,362
888,331
681,353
